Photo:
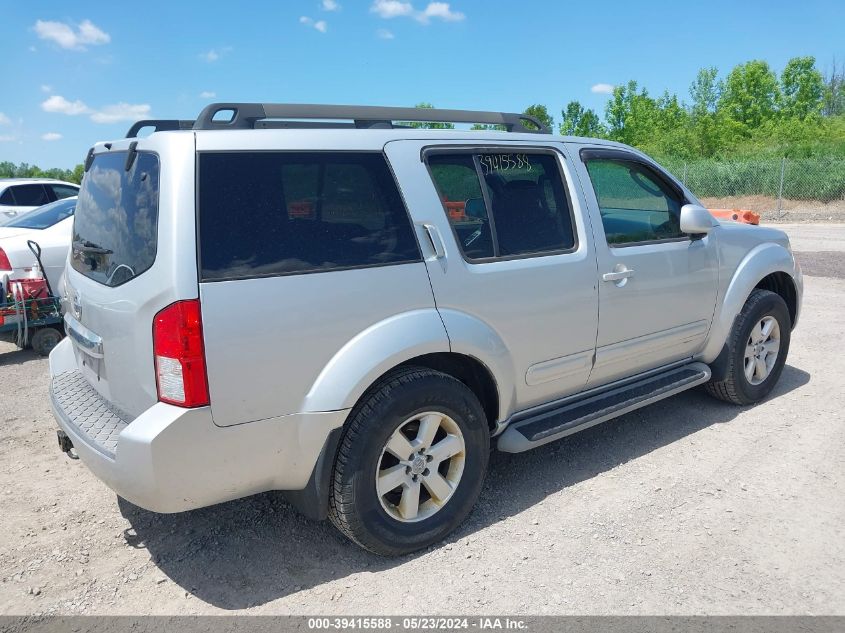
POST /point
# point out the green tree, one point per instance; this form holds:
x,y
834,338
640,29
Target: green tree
x,y
750,94
801,88
705,91
579,121
833,103
429,125
540,113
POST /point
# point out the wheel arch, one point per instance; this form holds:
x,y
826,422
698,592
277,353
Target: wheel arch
x,y
768,266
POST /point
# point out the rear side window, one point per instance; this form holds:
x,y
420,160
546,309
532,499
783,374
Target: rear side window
x,y
504,204
64,191
276,213
6,197
116,221
636,204
30,195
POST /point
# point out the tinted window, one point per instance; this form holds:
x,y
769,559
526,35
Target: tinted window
x,y
636,204
116,220
30,195
46,216
6,197
64,191
528,210
280,213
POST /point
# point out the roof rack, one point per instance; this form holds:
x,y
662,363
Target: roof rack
x,y
248,116
159,125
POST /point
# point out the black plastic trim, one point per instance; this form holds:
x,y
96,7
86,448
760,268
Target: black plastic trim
x,y
313,500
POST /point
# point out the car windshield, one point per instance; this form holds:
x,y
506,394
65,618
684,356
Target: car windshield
x,y
46,216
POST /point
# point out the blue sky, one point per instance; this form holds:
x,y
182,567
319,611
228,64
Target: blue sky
x,y
76,73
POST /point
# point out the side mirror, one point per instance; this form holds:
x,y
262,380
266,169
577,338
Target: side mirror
x,y
696,220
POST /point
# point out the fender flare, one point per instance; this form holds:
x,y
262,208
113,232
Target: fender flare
x,y
371,353
761,261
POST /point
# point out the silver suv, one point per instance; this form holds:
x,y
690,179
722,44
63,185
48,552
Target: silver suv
x,y
326,301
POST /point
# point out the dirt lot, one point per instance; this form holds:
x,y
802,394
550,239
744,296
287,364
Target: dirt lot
x,y
790,210
688,506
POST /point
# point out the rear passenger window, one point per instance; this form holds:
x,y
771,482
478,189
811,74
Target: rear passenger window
x,y
30,195
504,205
280,213
6,198
64,191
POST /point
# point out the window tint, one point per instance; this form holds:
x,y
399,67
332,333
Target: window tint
x,y
460,190
63,191
115,227
528,208
636,205
6,197
46,216
30,195
278,213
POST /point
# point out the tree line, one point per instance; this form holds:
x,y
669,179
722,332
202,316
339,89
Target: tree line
x,y
751,112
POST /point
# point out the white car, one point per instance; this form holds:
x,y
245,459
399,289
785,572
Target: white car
x,y
50,226
20,195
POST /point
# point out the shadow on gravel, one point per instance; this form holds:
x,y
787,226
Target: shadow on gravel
x,y
17,357
255,550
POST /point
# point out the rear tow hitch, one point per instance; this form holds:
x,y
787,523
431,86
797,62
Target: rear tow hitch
x,y
66,445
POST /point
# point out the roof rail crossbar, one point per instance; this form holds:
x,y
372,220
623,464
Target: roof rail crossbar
x,y
159,125
246,116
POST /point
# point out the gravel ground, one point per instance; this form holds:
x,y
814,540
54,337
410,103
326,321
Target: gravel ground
x,y
690,506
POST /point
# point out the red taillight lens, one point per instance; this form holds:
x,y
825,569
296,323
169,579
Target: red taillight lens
x,y
5,264
180,355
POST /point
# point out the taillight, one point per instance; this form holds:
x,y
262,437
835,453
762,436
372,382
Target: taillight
x,y
180,355
5,264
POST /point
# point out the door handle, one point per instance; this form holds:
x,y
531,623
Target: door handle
x,y
617,275
436,240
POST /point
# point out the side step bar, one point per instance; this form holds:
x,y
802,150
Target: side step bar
x,y
577,414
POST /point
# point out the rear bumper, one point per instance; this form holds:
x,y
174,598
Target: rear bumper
x,y
171,459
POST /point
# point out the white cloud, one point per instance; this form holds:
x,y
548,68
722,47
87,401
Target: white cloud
x,y
440,10
330,5
602,89
384,34
320,25
46,88
64,34
58,103
4,120
389,9
51,136
5,138
208,94
210,56
121,112
107,114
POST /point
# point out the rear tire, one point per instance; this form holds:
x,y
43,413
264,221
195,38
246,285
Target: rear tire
x,y
391,503
757,349
44,340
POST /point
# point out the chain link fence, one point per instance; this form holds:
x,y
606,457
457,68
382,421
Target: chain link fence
x,y
768,186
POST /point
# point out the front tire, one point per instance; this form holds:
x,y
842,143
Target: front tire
x,y
411,462
757,349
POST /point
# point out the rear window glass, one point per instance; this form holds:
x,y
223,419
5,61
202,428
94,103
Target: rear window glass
x,y
116,221
46,216
275,213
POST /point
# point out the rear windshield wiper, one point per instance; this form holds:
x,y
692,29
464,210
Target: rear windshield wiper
x,y
89,247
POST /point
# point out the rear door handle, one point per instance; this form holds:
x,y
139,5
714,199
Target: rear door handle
x,y
617,275
436,240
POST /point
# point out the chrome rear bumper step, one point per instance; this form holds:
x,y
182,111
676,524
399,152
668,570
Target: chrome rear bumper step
x,y
577,414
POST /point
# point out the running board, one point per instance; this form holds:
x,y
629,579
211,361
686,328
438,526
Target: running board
x,y
581,413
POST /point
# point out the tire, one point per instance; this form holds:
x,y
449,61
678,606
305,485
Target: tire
x,y
405,403
44,340
762,306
